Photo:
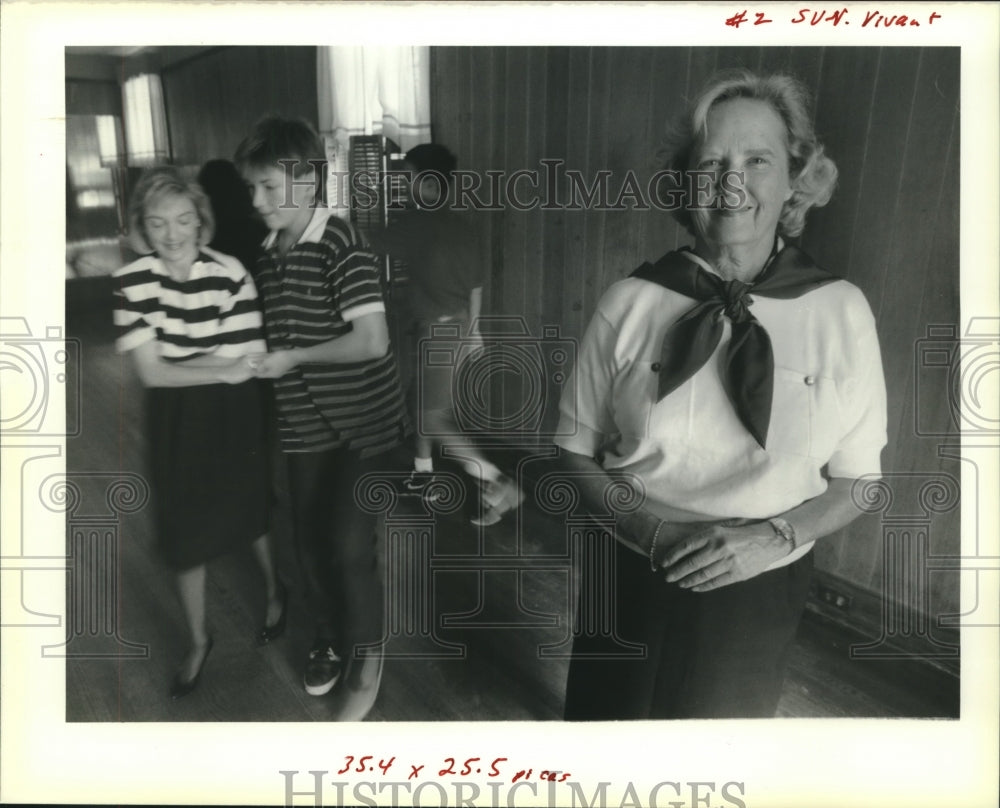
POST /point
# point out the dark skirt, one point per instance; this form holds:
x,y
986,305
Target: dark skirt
x,y
209,469
717,654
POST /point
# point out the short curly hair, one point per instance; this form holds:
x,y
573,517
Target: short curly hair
x,y
813,175
156,184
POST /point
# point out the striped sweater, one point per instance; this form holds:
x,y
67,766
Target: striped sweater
x,y
212,312
310,296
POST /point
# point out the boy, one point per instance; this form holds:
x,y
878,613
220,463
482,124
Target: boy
x,y
340,409
439,248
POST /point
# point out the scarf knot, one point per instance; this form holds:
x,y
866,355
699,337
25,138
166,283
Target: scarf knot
x,y
748,370
736,300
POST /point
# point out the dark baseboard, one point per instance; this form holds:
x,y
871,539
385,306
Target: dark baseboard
x,y
884,630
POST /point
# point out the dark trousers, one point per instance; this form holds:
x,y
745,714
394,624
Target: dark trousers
x,y
337,547
717,654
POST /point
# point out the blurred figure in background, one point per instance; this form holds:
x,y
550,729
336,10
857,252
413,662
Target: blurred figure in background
x,y
439,247
239,231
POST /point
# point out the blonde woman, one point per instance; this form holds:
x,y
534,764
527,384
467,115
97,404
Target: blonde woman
x,y
189,317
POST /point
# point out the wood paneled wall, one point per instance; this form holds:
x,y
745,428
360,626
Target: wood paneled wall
x,y
215,97
889,118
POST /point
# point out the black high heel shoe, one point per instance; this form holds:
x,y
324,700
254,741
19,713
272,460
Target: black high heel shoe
x,y
182,687
275,630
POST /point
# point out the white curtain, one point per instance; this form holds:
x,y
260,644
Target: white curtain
x,y
146,139
371,90
109,139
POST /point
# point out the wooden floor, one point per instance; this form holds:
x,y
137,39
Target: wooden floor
x,y
483,651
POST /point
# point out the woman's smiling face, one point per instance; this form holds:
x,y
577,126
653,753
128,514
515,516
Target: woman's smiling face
x,y
745,140
172,224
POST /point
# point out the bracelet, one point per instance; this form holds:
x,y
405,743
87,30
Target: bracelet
x,y
784,529
652,547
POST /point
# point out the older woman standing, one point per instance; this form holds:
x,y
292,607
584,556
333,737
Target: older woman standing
x,y
189,318
742,386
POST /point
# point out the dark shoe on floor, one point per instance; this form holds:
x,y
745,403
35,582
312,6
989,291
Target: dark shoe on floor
x,y
181,686
322,669
274,630
356,696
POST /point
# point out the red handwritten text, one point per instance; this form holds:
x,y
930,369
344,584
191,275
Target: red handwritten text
x,y
877,20
816,17
836,17
738,19
454,767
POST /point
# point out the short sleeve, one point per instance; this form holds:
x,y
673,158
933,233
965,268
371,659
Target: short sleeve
x,y
359,284
862,402
137,304
240,327
585,415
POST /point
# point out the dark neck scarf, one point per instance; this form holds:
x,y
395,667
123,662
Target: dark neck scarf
x,y
748,372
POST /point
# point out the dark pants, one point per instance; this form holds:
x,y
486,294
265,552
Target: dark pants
x,y
336,545
717,654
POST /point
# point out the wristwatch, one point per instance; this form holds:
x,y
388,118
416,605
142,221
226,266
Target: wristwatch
x,y
784,529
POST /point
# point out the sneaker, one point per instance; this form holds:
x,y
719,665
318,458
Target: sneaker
x,y
322,670
420,484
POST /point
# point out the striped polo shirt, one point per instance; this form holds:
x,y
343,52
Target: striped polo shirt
x,y
214,311
311,295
